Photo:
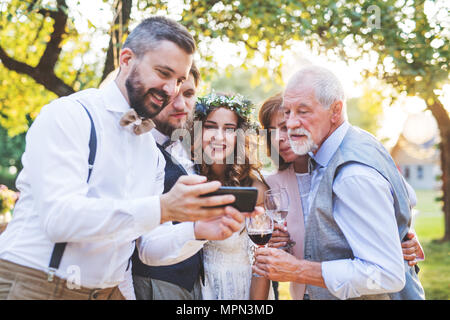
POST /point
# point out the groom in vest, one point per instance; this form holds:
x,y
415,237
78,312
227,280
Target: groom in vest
x,y
358,204
180,281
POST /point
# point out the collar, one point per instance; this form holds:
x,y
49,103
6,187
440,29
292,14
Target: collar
x,y
330,145
160,138
114,99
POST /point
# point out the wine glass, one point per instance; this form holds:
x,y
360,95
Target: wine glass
x,y
259,229
276,202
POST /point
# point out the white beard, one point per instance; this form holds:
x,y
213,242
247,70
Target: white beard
x,y
302,148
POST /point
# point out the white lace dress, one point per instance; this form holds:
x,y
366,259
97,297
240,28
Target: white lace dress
x,y
228,271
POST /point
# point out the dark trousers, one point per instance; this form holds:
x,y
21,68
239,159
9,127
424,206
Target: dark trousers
x,y
275,289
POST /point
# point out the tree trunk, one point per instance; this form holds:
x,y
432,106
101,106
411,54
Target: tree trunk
x,y
443,120
44,72
122,11
445,160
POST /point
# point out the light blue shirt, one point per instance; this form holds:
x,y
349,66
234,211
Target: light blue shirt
x,y
363,208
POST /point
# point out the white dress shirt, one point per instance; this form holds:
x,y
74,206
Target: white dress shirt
x,y
368,223
99,220
178,240
168,243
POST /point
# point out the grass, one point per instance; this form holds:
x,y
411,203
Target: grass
x,y
435,270
429,225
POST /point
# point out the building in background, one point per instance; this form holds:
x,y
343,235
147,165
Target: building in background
x,y
416,153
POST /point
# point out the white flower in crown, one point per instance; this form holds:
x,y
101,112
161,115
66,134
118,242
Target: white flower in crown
x,y
237,103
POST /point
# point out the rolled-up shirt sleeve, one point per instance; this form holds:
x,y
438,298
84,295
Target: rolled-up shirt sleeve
x,y
168,244
56,161
363,208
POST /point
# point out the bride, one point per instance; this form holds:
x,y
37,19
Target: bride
x,y
227,265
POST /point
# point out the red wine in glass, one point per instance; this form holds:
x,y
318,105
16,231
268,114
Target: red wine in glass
x,y
260,238
259,230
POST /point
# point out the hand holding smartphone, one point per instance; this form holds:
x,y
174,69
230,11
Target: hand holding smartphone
x,y
245,197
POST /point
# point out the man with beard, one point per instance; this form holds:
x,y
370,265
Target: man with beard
x,y
358,207
181,280
74,226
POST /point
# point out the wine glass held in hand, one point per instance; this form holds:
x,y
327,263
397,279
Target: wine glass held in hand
x,y
276,202
259,229
260,239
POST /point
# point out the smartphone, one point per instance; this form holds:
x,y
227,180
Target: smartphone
x,y
245,197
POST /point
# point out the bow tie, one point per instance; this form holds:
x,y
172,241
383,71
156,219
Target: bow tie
x,y
139,125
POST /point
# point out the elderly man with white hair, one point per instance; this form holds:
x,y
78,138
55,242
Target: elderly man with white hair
x,y
359,209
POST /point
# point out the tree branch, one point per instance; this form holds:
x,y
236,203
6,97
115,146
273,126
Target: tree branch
x,y
48,79
44,72
15,65
32,5
249,45
122,10
53,49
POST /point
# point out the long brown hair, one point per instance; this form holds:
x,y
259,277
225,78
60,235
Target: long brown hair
x,y
269,109
239,173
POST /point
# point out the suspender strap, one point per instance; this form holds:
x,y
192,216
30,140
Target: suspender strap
x,y
92,145
58,249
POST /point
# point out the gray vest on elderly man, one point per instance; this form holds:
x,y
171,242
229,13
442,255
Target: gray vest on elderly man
x,y
325,241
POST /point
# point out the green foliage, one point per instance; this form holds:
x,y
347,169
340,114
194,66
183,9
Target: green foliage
x,y
359,116
23,98
260,28
11,149
411,47
240,81
365,111
24,34
7,199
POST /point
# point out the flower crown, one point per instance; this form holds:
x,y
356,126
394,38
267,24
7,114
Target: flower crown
x,y
237,103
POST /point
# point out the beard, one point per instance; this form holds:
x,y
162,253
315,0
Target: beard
x,y
138,95
167,128
302,148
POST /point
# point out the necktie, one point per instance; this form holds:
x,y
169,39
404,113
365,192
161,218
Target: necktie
x,y
138,124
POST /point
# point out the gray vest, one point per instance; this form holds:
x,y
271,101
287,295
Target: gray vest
x,y
324,240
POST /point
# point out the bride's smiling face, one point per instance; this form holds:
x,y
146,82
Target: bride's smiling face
x,y
219,134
